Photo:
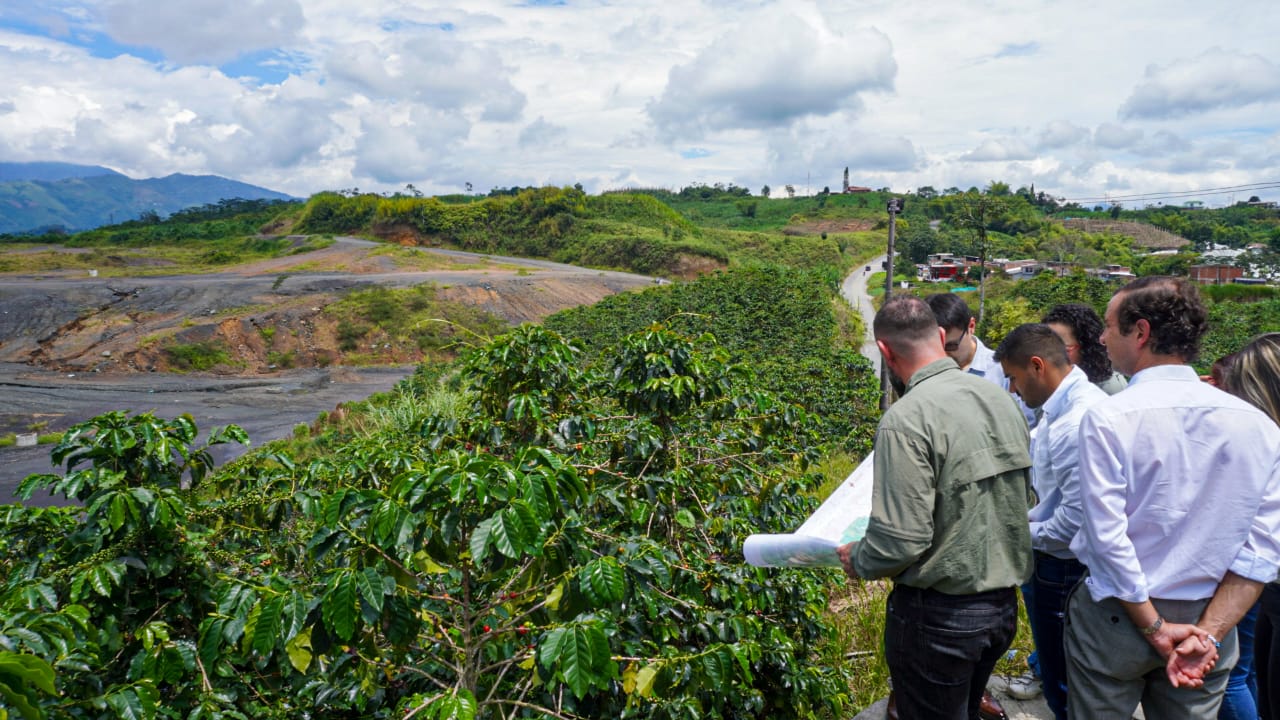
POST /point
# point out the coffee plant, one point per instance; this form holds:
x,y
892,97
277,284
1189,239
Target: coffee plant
x,y
570,547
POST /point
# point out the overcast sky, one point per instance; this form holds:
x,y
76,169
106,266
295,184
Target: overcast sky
x,y
1080,98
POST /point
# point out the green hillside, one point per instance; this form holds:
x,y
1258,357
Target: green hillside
x,y
79,203
633,231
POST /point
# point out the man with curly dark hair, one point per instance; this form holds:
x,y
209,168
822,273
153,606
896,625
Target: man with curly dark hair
x,y
1180,528
1081,329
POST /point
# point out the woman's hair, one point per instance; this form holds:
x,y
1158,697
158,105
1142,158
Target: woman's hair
x,y
1087,327
1255,375
1221,369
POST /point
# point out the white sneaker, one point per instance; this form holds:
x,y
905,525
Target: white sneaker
x,y
998,683
1024,687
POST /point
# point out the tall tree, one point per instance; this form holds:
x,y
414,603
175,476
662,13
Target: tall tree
x,y
977,211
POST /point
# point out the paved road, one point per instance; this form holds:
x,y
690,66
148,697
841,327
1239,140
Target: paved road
x,y
854,291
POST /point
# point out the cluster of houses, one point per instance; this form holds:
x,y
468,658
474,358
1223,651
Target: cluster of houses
x,y
1219,266
947,267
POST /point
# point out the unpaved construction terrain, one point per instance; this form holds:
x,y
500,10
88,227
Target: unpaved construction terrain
x,y
73,346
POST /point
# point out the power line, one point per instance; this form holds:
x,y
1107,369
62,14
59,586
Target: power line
x,y
1172,194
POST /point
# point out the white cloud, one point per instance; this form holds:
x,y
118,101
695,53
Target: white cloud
x,y
1060,134
433,69
410,149
213,31
1215,79
1116,137
382,92
999,151
541,133
773,68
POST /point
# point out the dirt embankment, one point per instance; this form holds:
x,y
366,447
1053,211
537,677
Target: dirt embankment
x,y
265,315
818,227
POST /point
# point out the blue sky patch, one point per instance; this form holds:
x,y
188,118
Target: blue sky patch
x,y
267,66
1019,50
397,25
98,44
695,153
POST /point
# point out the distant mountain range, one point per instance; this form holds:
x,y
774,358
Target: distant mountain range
x,y
46,195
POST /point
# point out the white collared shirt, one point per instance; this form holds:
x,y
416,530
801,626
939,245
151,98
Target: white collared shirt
x,y
1180,483
1055,468
984,365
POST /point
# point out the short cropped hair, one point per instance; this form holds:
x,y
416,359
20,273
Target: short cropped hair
x,y
905,320
1174,310
950,310
1255,374
1087,327
1033,340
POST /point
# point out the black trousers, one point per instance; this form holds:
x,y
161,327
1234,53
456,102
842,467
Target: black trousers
x,y
942,648
1266,652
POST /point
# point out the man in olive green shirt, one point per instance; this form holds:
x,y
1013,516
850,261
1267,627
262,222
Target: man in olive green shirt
x,y
948,520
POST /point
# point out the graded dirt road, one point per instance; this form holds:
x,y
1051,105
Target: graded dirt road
x,y
72,347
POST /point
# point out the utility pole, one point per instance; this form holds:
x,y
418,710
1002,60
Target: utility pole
x,y
894,206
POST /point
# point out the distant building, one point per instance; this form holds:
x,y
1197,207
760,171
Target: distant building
x,y
1216,274
1022,269
944,267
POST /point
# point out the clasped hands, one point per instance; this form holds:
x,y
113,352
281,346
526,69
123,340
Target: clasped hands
x,y
1188,651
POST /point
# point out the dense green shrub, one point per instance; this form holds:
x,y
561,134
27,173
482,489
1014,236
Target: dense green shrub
x,y
197,356
779,322
568,547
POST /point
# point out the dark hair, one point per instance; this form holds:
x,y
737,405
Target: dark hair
x,y
1033,340
1087,327
1222,368
904,319
950,310
1174,310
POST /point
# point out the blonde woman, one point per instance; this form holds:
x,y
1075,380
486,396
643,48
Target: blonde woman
x,y
1255,377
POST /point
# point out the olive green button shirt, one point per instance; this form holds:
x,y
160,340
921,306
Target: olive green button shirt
x,y
950,494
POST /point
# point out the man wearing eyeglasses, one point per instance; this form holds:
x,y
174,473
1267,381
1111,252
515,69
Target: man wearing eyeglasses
x,y
963,346
960,343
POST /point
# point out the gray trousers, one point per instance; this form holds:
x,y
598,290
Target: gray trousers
x,y
1111,667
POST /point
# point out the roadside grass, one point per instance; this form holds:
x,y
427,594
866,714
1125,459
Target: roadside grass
x,y
420,259
111,260
403,411
198,356
406,317
11,439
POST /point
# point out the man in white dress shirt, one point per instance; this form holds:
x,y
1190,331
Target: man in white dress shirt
x,y
1039,369
962,345
1180,487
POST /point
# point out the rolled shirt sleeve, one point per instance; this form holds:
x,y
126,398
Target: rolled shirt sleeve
x,y
900,530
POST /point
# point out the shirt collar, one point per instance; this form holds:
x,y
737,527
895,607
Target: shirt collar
x,y
983,359
1165,372
1060,400
933,368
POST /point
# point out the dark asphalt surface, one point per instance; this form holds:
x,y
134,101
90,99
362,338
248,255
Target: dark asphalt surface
x,y
267,408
